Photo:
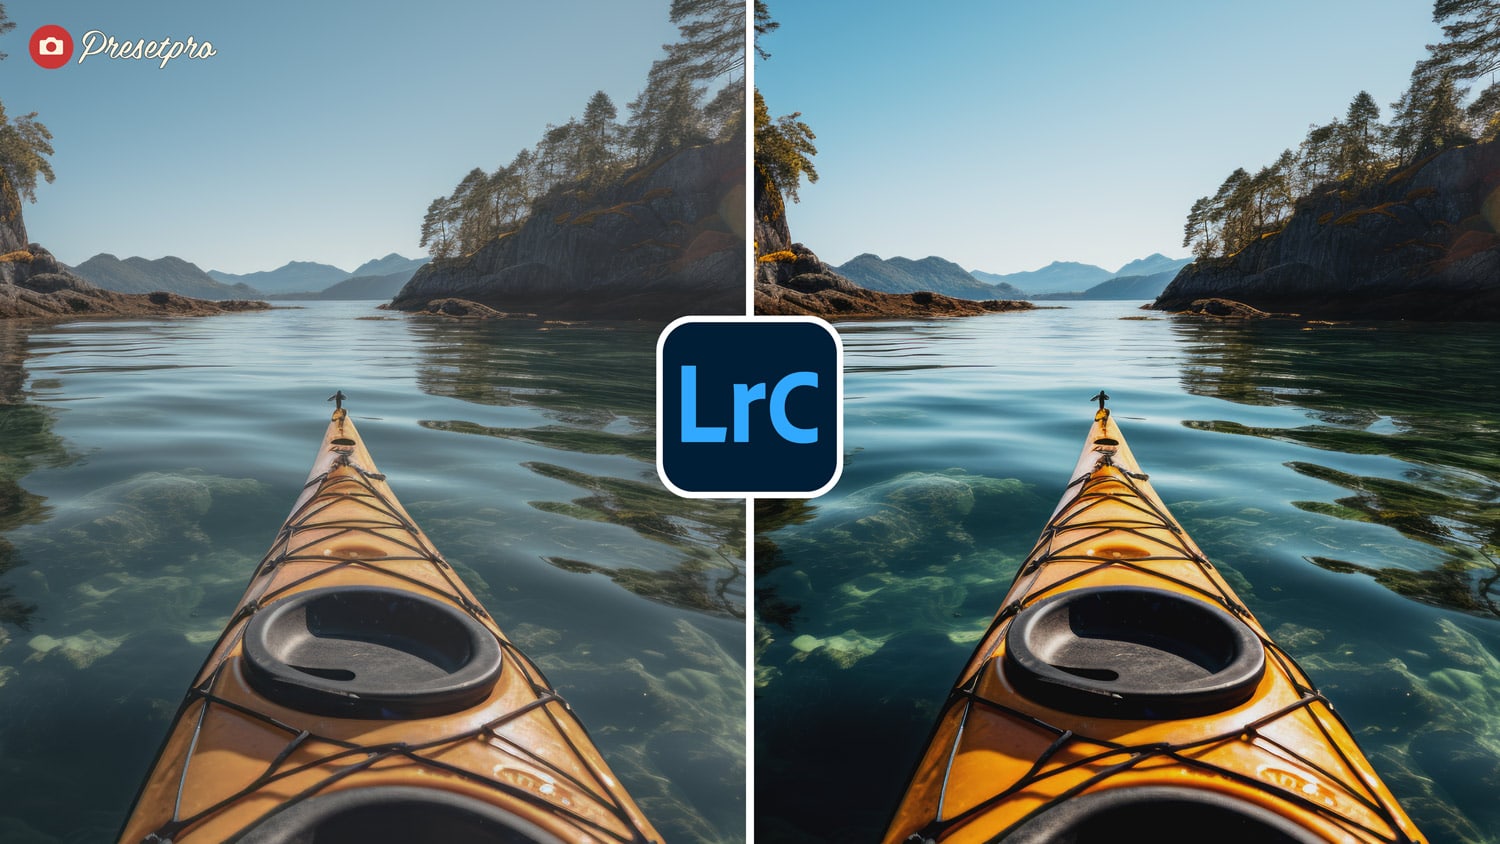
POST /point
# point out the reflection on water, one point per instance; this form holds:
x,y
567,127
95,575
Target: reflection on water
x,y
1336,474
158,458
26,441
1424,395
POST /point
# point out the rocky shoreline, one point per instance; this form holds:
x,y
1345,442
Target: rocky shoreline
x,y
811,288
35,286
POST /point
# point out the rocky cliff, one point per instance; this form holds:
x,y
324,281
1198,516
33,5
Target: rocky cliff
x,y
665,240
1420,244
791,280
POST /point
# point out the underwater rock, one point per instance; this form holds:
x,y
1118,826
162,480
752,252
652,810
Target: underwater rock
x,y
915,509
128,525
82,649
653,716
1453,690
843,650
1296,637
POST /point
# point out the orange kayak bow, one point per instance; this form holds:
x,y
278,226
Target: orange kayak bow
x,y
1123,686
360,693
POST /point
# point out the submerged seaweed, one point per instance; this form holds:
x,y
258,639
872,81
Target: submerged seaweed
x,y
692,584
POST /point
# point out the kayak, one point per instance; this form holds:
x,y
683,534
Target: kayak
x,y
1124,691
360,693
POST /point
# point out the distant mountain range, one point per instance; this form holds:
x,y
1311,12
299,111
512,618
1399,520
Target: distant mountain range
x,y
904,275
380,278
310,276
358,287
1143,278
1120,287
1056,277
1073,277
172,274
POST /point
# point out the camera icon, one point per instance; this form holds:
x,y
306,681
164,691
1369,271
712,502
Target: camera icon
x,y
50,46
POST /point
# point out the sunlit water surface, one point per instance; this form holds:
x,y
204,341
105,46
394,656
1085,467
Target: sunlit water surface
x,y
1345,477
146,466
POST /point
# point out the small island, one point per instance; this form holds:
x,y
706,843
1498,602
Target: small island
x,y
789,278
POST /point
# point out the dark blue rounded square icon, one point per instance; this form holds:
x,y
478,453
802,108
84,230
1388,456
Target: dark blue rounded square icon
x,y
749,407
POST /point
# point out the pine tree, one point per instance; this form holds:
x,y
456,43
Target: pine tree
x,y
23,144
1403,135
1484,113
1443,121
784,149
1198,233
1471,37
1318,155
1358,157
435,235
713,38
595,139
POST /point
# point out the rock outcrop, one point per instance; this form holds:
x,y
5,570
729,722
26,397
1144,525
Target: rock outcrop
x,y
665,240
1420,244
33,285
790,280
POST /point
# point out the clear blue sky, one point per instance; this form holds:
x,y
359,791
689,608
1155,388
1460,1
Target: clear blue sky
x,y
320,131
1006,135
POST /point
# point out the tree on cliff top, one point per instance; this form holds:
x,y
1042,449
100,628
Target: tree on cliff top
x,y
783,148
24,142
584,154
783,145
1471,37
713,38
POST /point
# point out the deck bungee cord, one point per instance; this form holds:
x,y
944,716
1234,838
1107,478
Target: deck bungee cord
x,y
360,693
1123,686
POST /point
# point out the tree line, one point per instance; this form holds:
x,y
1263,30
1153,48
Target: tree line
x,y
1434,113
673,111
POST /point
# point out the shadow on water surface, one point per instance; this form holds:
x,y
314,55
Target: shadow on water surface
x,y
1426,395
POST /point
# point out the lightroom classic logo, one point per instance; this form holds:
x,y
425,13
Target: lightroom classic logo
x,y
52,47
749,407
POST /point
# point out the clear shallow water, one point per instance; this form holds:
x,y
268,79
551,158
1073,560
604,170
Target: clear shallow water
x,y
145,467
1344,477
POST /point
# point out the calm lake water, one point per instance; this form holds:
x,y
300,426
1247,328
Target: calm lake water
x,y
1345,477
145,467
